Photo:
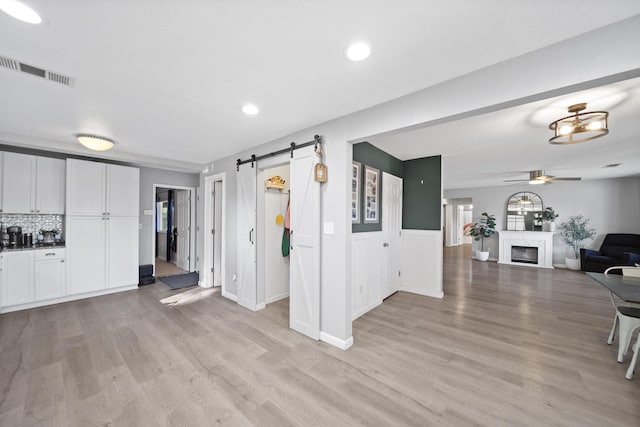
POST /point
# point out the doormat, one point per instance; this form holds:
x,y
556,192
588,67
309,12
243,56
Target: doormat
x,y
181,280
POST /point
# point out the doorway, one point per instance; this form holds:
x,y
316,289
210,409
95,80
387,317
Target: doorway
x,y
173,238
214,263
392,233
458,218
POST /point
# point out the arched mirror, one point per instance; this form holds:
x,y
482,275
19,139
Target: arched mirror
x,y
524,212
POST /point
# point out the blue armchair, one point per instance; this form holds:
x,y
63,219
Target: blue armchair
x,y
616,249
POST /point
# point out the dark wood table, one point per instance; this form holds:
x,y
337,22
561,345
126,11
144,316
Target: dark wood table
x,y
624,287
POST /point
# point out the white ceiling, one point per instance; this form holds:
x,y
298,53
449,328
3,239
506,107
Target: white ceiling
x,y
485,150
166,79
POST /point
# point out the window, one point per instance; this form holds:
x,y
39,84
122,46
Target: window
x,y
161,215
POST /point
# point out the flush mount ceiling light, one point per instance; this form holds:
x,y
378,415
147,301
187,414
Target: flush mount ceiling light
x,y
95,143
358,51
580,127
20,11
250,109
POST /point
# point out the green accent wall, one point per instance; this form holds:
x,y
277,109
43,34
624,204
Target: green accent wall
x,y
369,155
422,194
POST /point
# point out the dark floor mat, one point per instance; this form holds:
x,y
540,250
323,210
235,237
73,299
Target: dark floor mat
x,y
181,280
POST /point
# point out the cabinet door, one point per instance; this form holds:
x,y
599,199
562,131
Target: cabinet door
x,y
123,251
1,177
49,279
85,254
123,190
50,185
85,187
17,278
18,183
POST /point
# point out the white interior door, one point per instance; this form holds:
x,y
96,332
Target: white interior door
x,y
246,217
304,299
391,231
216,234
183,217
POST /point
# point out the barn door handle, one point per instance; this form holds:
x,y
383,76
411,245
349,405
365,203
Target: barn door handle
x,y
251,236
385,245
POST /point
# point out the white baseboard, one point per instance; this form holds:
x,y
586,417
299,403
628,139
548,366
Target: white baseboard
x,y
230,296
67,298
336,342
424,293
260,306
366,309
277,298
203,284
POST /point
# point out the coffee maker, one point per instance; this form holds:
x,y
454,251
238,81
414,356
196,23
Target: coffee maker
x,y
15,236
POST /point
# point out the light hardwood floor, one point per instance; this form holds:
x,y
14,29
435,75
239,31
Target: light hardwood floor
x,y
506,346
164,269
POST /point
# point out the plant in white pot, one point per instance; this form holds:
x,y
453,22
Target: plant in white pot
x,y
573,232
486,227
549,216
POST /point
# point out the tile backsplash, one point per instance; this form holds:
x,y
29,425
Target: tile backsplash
x,y
31,223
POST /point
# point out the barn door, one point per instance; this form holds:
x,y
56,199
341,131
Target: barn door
x,y
246,215
304,296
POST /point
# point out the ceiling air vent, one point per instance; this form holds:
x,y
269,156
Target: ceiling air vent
x,y
12,64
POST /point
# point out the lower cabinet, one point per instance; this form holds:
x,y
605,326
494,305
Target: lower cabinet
x,y
102,253
17,278
50,274
32,276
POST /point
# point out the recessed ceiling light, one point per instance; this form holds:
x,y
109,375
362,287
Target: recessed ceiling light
x,y
95,143
20,11
250,109
358,51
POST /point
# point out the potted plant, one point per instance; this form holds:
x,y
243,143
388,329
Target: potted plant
x,y
486,227
573,232
549,216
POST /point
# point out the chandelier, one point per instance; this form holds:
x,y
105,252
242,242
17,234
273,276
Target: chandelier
x,y
579,127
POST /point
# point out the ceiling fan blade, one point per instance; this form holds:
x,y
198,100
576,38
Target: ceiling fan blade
x,y
516,180
574,178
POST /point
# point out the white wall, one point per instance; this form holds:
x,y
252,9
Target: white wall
x,y
612,205
366,272
148,177
552,71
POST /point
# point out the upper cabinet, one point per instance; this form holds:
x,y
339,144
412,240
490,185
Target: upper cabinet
x,y
32,184
99,189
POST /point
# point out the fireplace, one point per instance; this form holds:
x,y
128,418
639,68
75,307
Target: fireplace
x,y
524,254
526,248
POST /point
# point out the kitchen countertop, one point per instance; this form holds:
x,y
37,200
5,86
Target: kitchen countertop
x,y
33,248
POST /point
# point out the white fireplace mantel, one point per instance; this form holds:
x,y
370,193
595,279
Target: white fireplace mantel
x,y
542,240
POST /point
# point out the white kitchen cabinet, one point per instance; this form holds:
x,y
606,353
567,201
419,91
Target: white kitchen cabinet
x,y
50,185
17,278
86,254
1,178
123,251
123,191
86,187
101,189
102,226
49,274
18,183
32,184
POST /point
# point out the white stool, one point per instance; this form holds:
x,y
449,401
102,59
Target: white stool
x,y
634,360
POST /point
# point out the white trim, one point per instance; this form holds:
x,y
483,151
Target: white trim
x,y
364,310
260,306
209,181
277,298
192,224
425,293
336,342
67,298
229,295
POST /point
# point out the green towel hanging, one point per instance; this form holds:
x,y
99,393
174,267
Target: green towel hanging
x,y
285,243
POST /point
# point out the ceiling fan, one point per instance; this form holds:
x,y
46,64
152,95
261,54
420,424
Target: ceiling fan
x,y
539,177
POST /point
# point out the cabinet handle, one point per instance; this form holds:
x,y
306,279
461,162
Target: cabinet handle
x,y
49,254
61,260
